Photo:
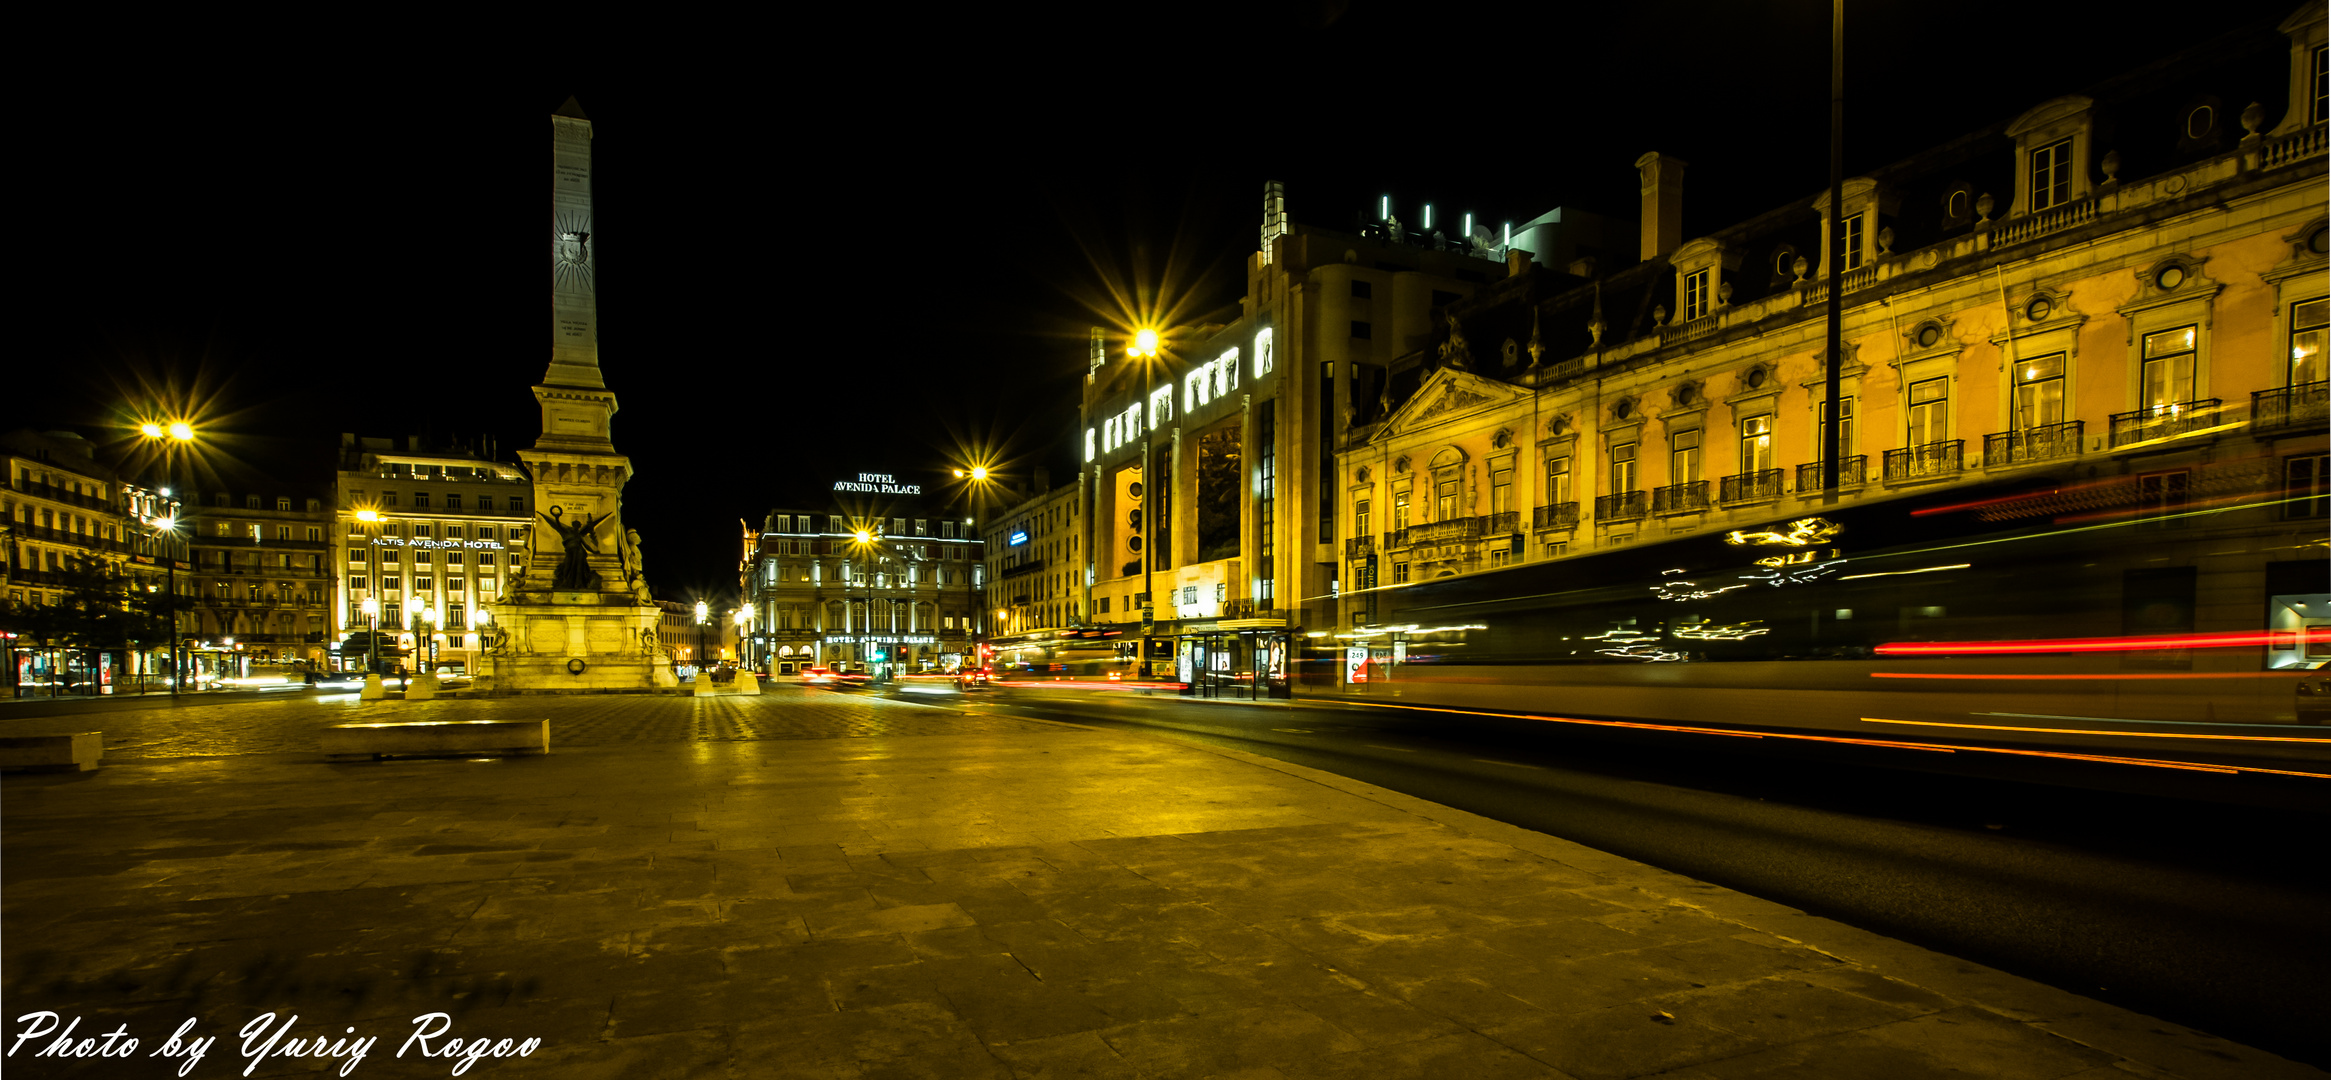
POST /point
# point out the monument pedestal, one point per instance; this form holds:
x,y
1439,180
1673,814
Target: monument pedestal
x,y
577,643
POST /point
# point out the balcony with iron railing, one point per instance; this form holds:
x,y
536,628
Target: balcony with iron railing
x,y
2300,408
1442,532
54,493
1624,506
1926,461
1688,497
1763,485
1504,521
1851,472
1359,547
2046,442
2163,422
1557,516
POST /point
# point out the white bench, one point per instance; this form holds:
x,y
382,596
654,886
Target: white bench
x,y
439,737
75,752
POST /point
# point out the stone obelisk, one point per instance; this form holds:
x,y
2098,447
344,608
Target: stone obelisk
x,y
580,618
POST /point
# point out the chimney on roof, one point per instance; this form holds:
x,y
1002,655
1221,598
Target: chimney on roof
x,y
1662,183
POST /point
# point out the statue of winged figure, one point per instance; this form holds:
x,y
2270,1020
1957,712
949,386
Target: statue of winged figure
x,y
575,538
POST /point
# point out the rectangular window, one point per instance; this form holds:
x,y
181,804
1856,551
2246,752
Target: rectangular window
x,y
1622,468
2307,485
1362,330
283,532
454,584
2322,110
1499,556
1555,549
355,555
1362,290
1399,510
424,584
1930,403
1557,481
2168,368
2052,175
1853,241
1695,295
391,581
517,505
453,558
388,498
485,502
1399,573
1756,444
392,613
1360,510
1445,500
453,532
359,581
1844,431
452,502
2039,393
1683,457
315,534
2307,340
1501,490
420,499
485,558
2161,493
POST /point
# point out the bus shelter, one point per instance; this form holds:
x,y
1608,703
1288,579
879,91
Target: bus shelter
x,y
1235,658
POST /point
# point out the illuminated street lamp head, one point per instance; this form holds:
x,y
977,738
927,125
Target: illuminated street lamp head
x,y
1144,343
745,615
478,616
979,472
864,537
371,606
151,431
168,524
182,431
368,515
701,610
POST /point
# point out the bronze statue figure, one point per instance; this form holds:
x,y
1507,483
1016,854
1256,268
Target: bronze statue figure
x,y
574,569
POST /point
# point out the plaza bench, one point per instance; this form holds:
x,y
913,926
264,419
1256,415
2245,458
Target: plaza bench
x,y
428,738
73,752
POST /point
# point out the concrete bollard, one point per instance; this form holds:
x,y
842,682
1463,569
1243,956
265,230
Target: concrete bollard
x,y
702,685
748,684
420,687
373,690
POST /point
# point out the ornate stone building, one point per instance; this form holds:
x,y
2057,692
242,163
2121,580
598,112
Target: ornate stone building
x,y
2133,279
822,596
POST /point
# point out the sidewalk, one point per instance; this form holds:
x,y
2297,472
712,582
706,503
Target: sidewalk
x,y
1038,900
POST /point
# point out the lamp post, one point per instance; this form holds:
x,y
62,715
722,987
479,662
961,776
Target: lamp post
x,y
429,616
478,618
744,619
169,437
372,636
1145,349
703,616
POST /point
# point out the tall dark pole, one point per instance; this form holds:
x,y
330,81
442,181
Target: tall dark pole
x,y
1148,512
1830,446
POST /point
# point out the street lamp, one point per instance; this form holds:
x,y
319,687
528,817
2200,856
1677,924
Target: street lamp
x,y
372,638
1145,349
744,619
703,616
429,620
170,436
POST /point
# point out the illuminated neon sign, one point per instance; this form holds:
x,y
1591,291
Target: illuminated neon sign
x,y
1018,537
870,483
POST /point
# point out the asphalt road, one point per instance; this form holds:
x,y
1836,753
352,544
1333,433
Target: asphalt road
x,y
2207,914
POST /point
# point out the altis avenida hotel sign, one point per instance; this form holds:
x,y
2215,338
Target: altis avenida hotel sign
x,y
874,483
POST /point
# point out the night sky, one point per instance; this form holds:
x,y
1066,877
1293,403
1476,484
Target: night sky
x,y
873,244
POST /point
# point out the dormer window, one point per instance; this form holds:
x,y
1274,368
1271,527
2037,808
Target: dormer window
x,y
1853,241
1695,295
1866,201
2054,145
2051,178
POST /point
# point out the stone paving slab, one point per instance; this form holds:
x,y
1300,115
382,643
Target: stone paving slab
x,y
294,722
1018,899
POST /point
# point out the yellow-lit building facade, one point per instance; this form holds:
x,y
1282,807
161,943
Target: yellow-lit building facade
x,y
2148,304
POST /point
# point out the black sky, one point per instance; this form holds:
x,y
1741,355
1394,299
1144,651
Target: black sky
x,y
867,243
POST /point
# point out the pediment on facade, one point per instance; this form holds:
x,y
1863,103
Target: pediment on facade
x,y
1448,394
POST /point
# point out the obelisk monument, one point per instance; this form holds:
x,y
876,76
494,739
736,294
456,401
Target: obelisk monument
x,y
581,618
